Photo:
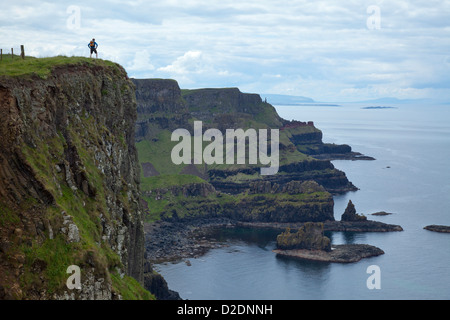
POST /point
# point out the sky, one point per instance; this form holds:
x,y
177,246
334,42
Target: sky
x,y
328,50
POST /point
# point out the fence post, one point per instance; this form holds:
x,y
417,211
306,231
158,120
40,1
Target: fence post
x,y
1,54
22,51
12,53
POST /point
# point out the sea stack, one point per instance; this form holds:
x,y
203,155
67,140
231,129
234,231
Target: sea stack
x,y
351,215
309,236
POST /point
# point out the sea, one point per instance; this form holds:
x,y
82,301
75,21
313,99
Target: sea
x,y
410,178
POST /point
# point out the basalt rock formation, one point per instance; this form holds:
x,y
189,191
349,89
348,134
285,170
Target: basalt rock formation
x,y
310,243
69,184
310,236
351,215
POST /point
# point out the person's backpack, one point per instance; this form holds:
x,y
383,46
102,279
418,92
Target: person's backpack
x,y
92,44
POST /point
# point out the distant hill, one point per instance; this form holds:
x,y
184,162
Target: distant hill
x,y
275,99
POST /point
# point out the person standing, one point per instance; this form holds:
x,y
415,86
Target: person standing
x,y
93,46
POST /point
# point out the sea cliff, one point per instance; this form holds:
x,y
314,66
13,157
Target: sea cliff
x,y
69,182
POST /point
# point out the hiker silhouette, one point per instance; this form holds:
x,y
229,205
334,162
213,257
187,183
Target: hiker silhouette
x,y
93,46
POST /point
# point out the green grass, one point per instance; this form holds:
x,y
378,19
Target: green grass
x,y
268,115
186,207
242,177
57,256
158,153
42,67
8,217
168,180
129,288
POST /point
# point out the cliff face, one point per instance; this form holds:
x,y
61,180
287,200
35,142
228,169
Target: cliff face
x,y
69,184
160,105
235,191
229,107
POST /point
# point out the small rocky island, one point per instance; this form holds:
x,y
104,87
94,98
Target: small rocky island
x,y
309,243
438,228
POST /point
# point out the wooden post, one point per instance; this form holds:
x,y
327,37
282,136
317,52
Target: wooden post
x,y
1,54
22,51
12,53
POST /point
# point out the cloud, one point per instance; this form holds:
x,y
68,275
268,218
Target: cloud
x,y
321,49
190,62
141,62
195,67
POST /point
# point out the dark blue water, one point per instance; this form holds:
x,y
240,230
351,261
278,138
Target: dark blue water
x,y
410,178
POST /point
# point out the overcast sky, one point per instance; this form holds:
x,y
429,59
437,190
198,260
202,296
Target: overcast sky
x,y
328,50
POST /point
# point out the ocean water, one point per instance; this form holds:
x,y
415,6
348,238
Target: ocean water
x,y
410,178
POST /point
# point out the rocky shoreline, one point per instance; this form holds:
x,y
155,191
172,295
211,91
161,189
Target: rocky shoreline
x,y
343,156
345,253
168,241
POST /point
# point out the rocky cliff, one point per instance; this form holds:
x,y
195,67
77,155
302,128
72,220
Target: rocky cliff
x,y
236,191
69,183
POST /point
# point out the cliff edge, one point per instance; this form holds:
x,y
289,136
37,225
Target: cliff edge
x,y
69,182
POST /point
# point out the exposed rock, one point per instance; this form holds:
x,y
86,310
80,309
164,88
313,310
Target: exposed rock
x,y
156,284
291,187
351,215
159,105
171,241
320,171
227,107
438,228
361,226
309,236
68,144
381,213
70,229
149,170
345,253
